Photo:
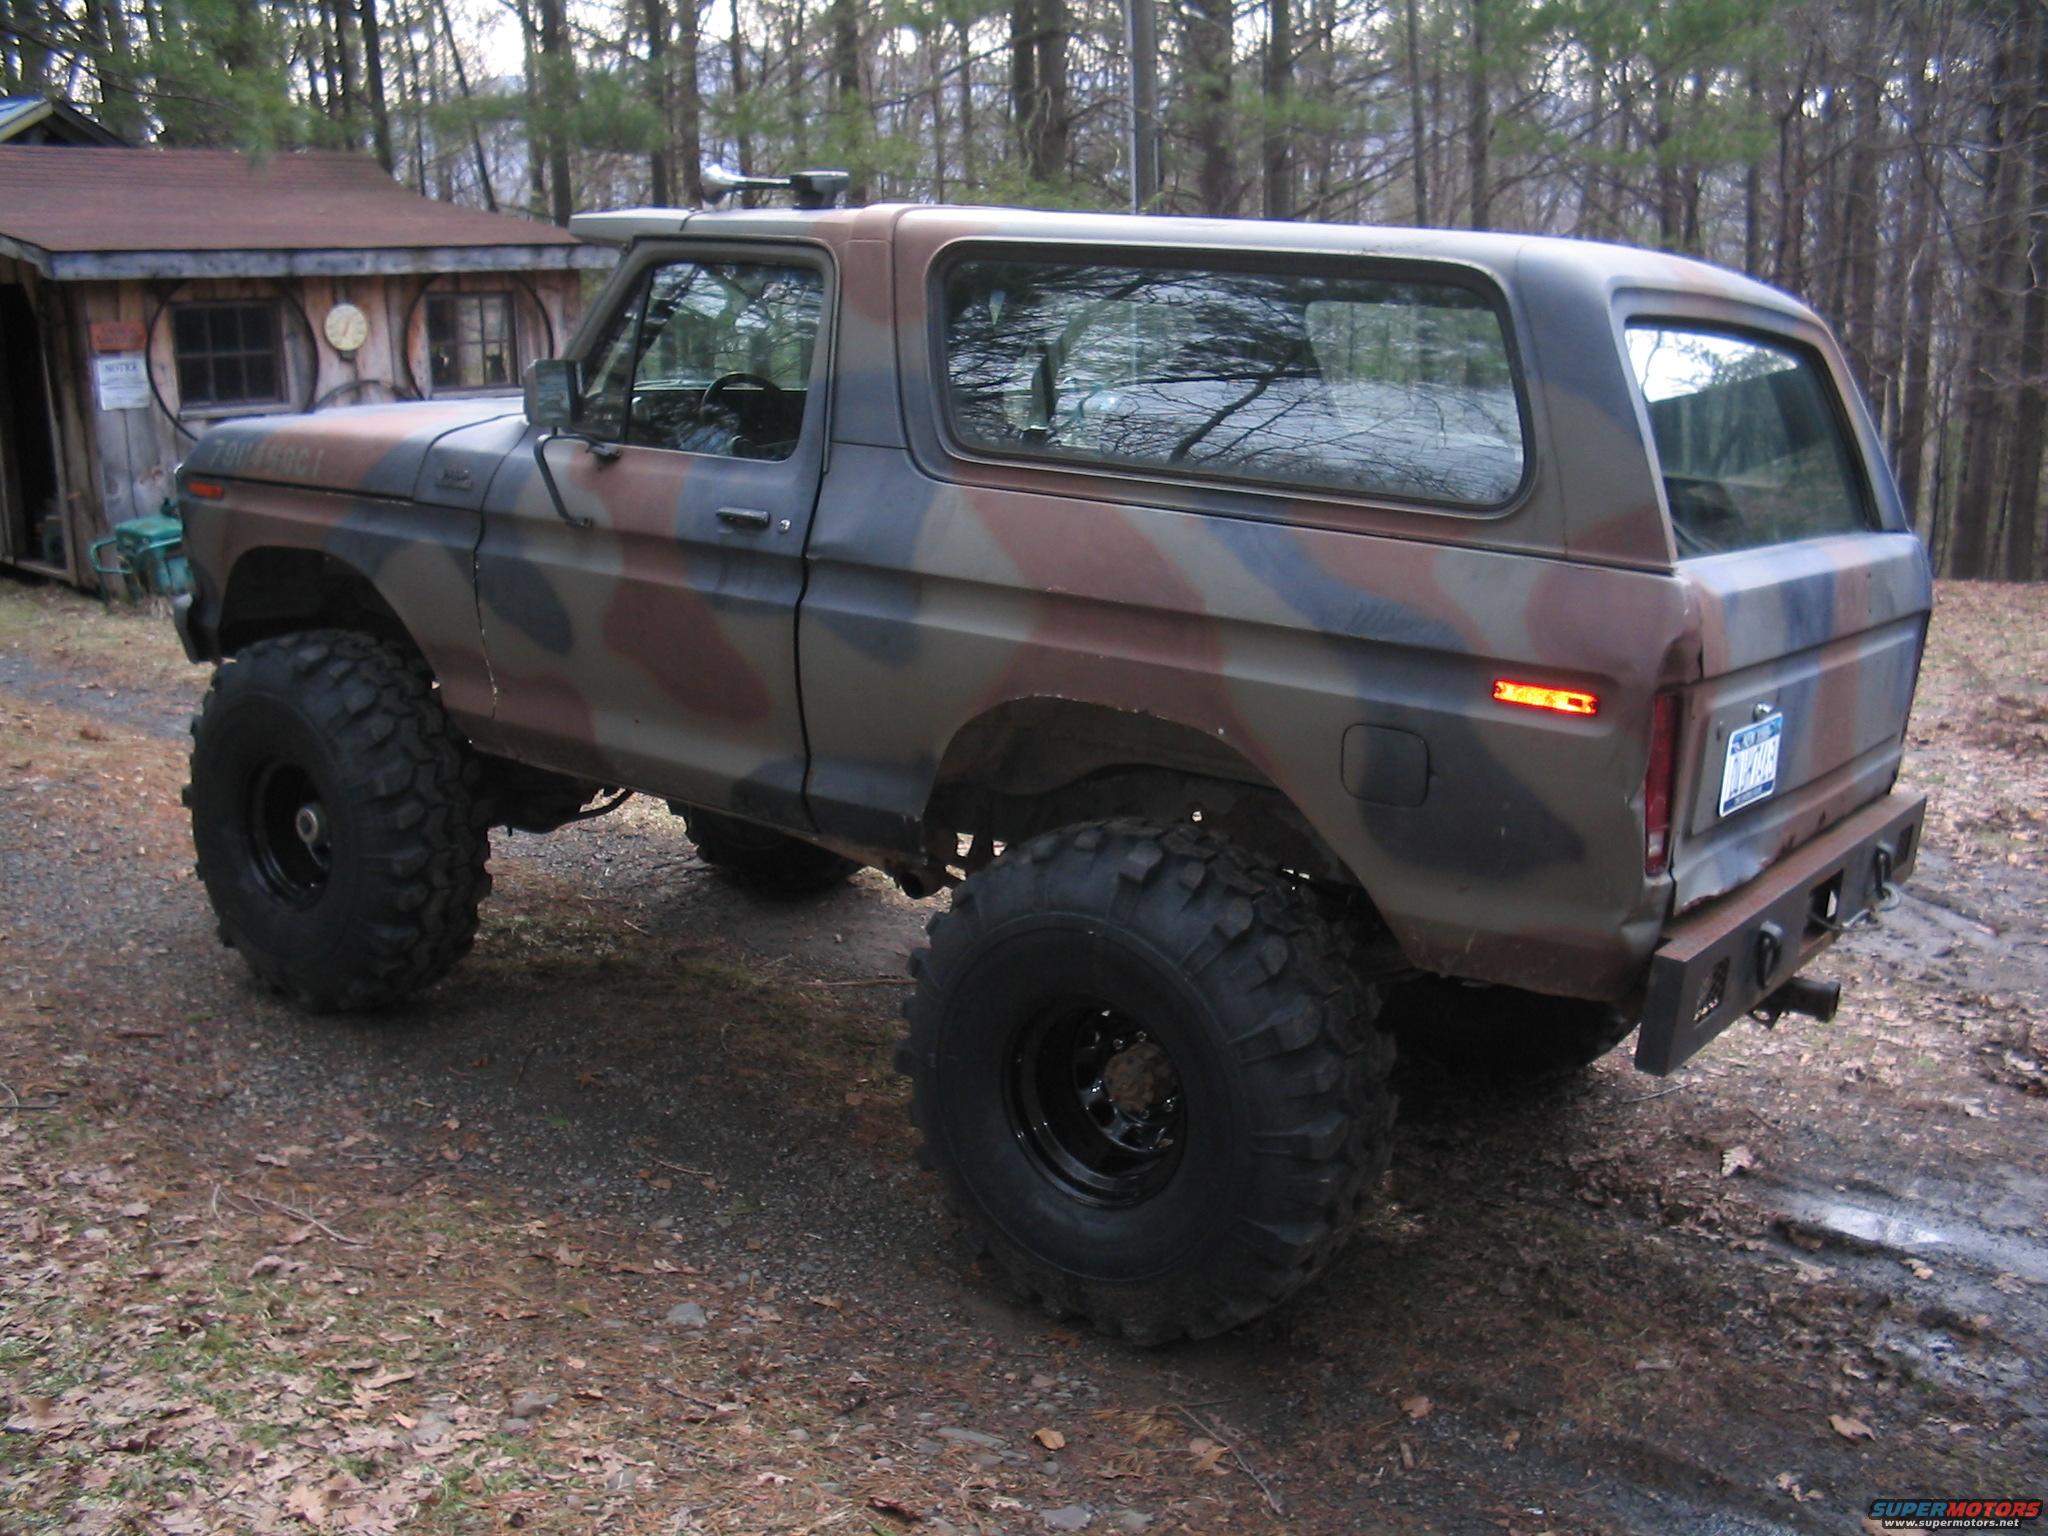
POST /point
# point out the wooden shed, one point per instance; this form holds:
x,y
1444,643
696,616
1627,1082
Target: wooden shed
x,y
146,294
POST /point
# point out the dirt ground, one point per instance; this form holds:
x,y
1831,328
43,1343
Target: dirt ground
x,y
618,1229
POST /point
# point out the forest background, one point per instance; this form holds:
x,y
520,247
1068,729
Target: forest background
x,y
1887,160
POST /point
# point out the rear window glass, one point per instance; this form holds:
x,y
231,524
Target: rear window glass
x,y
1748,439
1389,387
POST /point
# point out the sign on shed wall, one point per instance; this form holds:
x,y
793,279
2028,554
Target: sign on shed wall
x,y
121,380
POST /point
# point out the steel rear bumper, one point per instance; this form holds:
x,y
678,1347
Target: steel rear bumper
x,y
1716,964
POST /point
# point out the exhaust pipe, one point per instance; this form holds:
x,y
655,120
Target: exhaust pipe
x,y
1815,999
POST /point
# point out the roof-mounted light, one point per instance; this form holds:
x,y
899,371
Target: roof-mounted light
x,y
809,189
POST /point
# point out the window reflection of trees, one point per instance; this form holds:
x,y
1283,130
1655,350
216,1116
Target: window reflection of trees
x,y
1358,384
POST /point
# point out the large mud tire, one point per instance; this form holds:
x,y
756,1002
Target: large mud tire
x,y
1095,946
1500,1035
763,859
340,734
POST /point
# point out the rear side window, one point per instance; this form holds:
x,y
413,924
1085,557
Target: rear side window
x,y
1369,385
1749,440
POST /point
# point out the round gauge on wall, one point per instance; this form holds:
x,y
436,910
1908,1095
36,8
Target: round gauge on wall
x,y
347,327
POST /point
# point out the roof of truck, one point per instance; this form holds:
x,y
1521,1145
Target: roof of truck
x,y
1496,251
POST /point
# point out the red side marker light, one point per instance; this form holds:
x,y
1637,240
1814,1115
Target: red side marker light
x,y
1563,701
205,490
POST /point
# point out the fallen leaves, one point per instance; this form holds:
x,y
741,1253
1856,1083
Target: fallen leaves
x,y
1851,1428
1051,1439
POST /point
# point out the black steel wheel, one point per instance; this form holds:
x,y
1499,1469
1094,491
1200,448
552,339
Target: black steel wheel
x,y
341,835
762,858
1155,1093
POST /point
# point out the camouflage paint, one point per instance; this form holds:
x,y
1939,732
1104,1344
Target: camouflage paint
x,y
817,676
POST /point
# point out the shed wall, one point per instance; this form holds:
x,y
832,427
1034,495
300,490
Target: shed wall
x,y
124,458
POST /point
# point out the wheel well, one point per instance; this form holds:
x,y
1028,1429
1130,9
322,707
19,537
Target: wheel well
x,y
276,591
1034,764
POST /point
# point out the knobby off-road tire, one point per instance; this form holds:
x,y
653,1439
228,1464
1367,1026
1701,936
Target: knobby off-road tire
x,y
1156,1095
1500,1035
341,834
764,859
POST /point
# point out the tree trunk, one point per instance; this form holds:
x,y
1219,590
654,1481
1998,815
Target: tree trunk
x,y
968,174
686,110
1988,348
373,83
1023,75
736,63
849,104
660,159
2030,414
1207,48
1418,132
476,140
1056,114
558,89
1479,118
1279,91
1859,206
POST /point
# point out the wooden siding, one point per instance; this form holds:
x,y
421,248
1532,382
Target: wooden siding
x,y
120,462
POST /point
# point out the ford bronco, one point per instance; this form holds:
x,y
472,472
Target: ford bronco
x,y
1249,624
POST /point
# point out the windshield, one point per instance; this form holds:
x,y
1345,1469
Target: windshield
x,y
1748,440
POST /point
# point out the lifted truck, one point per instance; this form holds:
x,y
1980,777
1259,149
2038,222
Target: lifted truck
x,y
1249,623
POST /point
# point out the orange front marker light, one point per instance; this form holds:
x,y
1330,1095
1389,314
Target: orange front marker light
x,y
205,490
1564,701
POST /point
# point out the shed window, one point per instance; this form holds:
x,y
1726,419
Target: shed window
x,y
469,340
228,354
1356,382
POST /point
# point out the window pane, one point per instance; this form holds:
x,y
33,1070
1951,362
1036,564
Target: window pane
x,y
1356,384
469,340
1748,440
440,321
195,380
725,358
227,354
260,376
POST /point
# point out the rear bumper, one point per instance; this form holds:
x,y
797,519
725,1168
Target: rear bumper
x,y
1715,964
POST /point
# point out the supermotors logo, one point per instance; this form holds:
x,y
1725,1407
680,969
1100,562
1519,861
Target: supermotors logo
x,y
1954,1514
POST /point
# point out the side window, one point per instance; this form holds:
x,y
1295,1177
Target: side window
x,y
709,357
1398,387
1749,440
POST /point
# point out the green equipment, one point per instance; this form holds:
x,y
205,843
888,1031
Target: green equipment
x,y
148,558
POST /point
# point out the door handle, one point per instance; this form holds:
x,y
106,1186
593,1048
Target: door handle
x,y
752,519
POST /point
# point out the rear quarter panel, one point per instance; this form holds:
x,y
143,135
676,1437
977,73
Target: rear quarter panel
x,y
944,586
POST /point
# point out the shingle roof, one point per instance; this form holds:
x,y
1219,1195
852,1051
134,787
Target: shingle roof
x,y
60,122
74,201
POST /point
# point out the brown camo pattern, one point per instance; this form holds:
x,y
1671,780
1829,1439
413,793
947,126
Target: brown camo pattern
x,y
816,676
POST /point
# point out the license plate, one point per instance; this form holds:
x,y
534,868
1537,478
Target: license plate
x,y
1751,771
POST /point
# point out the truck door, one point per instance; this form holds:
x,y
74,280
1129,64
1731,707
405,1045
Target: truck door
x,y
648,637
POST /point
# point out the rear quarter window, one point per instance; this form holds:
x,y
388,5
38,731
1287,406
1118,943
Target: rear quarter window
x,y
1750,440
1377,386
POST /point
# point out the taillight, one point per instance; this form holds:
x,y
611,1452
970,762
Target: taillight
x,y
1657,777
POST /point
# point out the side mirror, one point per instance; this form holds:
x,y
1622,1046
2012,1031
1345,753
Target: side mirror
x,y
554,391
